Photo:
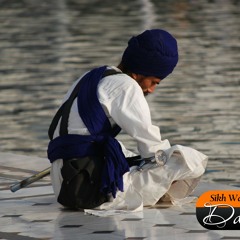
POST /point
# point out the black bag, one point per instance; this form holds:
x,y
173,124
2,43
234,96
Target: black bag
x,y
81,183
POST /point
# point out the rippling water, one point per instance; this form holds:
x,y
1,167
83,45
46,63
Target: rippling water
x,y
46,45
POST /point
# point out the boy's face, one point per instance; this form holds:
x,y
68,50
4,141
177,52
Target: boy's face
x,y
148,84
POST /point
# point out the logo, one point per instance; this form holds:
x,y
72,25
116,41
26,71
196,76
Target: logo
x,y
219,210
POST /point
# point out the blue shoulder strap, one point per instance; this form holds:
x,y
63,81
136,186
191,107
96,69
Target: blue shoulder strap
x,y
95,119
89,107
64,110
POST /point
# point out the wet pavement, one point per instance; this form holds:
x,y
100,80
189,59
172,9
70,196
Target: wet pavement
x,y
33,213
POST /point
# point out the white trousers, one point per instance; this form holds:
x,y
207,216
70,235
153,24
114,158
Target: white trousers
x,y
176,179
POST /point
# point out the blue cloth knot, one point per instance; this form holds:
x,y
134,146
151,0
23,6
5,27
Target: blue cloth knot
x,y
115,167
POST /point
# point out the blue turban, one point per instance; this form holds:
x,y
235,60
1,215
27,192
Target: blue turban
x,y
152,53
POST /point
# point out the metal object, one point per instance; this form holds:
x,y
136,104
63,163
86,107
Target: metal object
x,y
161,158
29,180
142,163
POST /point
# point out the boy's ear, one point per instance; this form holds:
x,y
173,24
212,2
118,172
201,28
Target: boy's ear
x,y
134,76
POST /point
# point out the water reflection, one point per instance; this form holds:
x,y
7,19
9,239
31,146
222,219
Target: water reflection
x,y
46,45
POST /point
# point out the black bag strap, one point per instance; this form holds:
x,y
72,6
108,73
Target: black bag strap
x,y
64,111
55,121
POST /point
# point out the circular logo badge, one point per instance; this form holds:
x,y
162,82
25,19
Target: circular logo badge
x,y
219,210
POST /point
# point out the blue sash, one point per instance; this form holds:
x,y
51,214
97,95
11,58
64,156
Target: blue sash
x,y
101,142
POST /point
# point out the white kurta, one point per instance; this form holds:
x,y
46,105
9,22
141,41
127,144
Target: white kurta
x,y
125,105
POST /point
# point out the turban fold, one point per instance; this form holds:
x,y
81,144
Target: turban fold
x,y
152,53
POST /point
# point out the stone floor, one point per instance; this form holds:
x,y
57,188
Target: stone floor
x,y
32,212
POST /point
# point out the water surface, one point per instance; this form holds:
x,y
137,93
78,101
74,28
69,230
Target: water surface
x,y
46,45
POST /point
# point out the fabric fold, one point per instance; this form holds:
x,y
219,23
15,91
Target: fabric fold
x,y
175,181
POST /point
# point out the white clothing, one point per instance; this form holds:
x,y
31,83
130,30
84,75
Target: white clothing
x,y
124,104
174,181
